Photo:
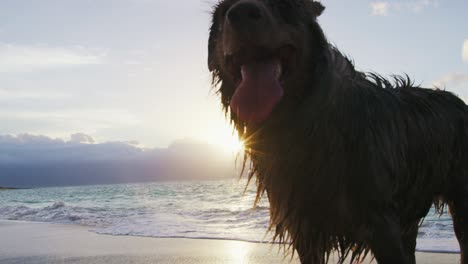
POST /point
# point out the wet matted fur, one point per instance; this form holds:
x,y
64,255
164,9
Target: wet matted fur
x,y
350,161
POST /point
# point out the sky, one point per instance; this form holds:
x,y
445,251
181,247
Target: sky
x,y
135,70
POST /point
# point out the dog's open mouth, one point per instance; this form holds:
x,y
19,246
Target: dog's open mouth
x,y
259,76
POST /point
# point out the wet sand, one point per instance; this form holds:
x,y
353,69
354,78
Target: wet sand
x,y
26,242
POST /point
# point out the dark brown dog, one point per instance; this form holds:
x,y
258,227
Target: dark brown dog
x,y
349,161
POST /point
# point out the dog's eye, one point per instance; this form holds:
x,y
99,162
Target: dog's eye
x,y
286,9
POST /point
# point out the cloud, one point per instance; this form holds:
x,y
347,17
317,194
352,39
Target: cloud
x,y
380,8
418,6
74,119
22,94
81,138
22,139
28,160
451,80
383,8
27,148
19,58
465,51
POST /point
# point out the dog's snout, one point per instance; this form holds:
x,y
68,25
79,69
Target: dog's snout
x,y
244,15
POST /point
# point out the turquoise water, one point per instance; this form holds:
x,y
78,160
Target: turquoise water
x,y
210,209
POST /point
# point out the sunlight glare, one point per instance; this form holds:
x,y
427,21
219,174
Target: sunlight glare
x,y
235,144
230,143
240,252
224,137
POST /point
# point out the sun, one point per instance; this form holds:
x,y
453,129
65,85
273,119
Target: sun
x,y
234,144
221,134
228,142
231,144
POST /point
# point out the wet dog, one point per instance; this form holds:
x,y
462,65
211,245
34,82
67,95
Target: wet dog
x,y
350,161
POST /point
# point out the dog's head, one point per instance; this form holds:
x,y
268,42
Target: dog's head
x,y
259,53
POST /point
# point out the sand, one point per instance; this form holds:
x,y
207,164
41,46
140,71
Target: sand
x,y
26,242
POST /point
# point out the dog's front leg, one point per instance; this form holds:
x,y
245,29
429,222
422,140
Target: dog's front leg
x,y
385,240
459,212
409,241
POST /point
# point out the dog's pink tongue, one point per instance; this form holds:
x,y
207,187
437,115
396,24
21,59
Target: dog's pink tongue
x,y
258,93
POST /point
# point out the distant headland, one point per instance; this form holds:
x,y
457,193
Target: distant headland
x,y
6,188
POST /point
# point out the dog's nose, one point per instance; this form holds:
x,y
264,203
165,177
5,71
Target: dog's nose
x,y
244,14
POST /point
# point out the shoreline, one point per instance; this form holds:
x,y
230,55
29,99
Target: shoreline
x,y
33,242
250,241
90,229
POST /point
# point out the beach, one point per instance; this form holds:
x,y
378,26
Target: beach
x,y
30,242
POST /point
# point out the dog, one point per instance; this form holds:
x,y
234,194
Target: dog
x,y
351,162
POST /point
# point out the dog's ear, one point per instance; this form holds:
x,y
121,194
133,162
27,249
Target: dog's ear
x,y
316,8
213,38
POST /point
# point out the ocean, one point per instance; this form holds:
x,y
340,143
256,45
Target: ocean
x,y
205,209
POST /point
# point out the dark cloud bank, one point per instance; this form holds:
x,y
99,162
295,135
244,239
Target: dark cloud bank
x,y
37,161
